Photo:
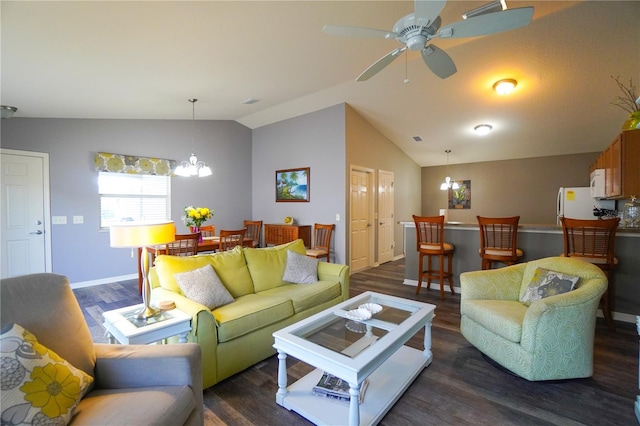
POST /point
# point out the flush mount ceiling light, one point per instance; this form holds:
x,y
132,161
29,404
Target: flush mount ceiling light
x,y
193,167
448,182
483,129
505,86
7,111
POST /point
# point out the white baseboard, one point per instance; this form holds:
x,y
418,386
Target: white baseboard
x,y
109,280
618,316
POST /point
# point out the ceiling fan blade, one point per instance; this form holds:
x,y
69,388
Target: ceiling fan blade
x,y
488,24
345,31
438,61
426,11
380,64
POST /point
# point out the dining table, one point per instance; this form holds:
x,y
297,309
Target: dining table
x,y
208,244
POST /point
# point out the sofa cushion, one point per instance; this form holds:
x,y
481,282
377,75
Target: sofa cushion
x,y
267,265
38,387
308,296
546,283
300,269
204,286
229,265
161,405
502,317
250,312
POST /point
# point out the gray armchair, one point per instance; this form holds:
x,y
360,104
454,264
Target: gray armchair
x,y
133,385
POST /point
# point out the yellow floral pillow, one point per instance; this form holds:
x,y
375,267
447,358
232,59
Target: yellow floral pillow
x,y
38,387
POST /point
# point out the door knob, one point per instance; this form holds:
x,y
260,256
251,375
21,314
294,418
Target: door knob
x,y
38,232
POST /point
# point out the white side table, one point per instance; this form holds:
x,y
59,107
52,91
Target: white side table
x,y
122,326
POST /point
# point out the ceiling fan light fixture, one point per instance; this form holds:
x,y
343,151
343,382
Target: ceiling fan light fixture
x,y
483,129
494,6
8,111
505,86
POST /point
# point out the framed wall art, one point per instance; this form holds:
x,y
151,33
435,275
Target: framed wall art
x,y
460,198
292,185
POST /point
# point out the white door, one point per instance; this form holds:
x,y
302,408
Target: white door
x,y
385,216
360,220
24,213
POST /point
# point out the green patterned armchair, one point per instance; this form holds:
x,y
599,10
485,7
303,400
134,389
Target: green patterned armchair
x,y
546,339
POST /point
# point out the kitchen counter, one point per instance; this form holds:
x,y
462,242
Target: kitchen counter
x,y
537,241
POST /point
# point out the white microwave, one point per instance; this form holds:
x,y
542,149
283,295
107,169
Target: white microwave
x,y
597,183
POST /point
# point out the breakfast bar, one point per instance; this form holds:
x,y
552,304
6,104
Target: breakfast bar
x,y
537,241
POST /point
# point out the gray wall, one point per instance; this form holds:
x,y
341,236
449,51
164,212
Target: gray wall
x,y
315,140
82,252
525,187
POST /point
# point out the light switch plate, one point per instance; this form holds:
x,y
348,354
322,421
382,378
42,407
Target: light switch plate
x,y
58,220
337,217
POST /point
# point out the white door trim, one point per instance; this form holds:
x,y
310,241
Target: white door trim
x,y
46,200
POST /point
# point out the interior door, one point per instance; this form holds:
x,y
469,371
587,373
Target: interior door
x,y
385,216
360,223
24,215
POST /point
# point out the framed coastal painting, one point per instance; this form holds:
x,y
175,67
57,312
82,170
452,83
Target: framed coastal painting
x,y
460,198
292,185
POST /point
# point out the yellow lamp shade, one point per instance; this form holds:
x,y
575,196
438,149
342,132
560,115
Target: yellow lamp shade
x,y
142,234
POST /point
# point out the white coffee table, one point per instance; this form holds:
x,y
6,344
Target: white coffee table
x,y
122,326
355,351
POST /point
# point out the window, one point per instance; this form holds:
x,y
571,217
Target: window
x,y
133,197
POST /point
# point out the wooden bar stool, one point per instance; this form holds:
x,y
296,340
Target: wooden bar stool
x,y
594,242
499,240
430,242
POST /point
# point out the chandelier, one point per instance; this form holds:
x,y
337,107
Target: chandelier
x,y
193,167
448,182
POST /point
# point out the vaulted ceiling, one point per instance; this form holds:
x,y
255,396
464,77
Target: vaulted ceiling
x,y
143,60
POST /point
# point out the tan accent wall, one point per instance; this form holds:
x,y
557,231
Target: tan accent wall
x,y
525,187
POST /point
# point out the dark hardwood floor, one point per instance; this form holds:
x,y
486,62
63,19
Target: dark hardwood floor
x,y
460,387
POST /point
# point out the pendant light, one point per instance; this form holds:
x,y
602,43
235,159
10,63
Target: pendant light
x,y
193,167
448,183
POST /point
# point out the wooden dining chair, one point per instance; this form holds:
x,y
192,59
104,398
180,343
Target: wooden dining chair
x,y
430,243
593,240
208,230
231,238
321,246
499,240
254,231
184,245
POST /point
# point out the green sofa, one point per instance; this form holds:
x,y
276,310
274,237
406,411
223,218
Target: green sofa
x,y
552,338
237,335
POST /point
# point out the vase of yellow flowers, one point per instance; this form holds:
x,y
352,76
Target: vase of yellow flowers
x,y
194,217
628,102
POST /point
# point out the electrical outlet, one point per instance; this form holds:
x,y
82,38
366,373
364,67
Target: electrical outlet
x,y
78,220
58,220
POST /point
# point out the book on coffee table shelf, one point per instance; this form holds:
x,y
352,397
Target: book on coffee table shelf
x,y
330,386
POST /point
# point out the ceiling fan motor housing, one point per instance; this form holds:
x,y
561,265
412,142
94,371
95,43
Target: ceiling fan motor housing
x,y
414,35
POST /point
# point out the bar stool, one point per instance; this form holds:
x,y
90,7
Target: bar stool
x,y
430,242
594,241
499,240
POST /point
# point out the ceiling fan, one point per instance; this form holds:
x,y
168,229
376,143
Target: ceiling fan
x,y
417,29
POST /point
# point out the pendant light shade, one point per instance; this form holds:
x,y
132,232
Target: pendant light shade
x,y
448,182
193,167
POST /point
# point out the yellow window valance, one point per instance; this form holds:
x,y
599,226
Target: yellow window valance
x,y
119,163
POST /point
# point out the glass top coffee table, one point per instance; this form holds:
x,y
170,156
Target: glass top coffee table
x,y
341,342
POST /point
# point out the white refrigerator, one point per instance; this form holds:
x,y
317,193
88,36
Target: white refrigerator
x,y
577,203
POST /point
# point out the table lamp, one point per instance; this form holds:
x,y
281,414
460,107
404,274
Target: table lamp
x,y
143,234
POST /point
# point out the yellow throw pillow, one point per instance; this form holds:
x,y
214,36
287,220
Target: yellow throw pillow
x,y
38,387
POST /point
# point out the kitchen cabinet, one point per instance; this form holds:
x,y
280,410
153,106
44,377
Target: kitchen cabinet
x,y
279,234
621,162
